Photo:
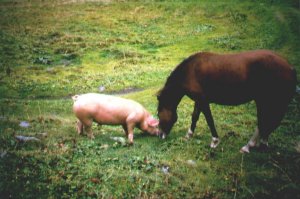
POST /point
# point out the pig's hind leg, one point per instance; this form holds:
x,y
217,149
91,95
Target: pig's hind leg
x,y
87,125
79,127
89,131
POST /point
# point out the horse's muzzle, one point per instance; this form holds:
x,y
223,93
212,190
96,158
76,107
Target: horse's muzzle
x,y
162,135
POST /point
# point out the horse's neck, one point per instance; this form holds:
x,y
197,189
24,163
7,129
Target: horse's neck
x,y
175,95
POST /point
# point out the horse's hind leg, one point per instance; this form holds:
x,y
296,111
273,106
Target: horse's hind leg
x,y
269,116
195,117
252,142
269,119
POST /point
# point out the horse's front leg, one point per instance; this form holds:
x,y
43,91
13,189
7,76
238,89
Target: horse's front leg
x,y
195,117
210,121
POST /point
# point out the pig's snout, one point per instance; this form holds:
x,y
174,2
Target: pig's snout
x,y
157,132
152,126
153,131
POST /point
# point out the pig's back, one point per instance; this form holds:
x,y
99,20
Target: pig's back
x,y
105,108
106,101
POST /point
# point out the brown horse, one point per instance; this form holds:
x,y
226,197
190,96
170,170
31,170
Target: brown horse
x,y
230,79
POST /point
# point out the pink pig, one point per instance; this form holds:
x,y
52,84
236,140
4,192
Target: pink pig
x,y
111,110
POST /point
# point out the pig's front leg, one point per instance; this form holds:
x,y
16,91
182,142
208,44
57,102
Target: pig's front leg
x,y
129,135
130,128
125,129
130,124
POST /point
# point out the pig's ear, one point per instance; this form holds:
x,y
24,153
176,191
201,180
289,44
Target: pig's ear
x,y
75,97
152,121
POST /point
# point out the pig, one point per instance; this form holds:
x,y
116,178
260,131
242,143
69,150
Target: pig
x,y
112,110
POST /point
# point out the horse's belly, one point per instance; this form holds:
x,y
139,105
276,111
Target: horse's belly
x,y
230,96
230,101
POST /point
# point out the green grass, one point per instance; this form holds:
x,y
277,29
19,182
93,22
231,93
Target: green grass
x,y
50,50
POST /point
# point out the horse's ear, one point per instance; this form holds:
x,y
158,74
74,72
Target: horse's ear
x,y
158,93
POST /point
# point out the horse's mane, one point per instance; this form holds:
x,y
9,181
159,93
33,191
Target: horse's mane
x,y
176,77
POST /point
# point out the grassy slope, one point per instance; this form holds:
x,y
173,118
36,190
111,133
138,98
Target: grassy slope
x,y
54,50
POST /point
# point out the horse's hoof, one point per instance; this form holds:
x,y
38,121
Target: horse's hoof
x,y
214,143
263,147
260,148
245,149
189,134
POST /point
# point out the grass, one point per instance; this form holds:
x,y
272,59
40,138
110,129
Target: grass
x,y
50,50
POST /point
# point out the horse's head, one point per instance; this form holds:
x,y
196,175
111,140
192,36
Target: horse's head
x,y
166,112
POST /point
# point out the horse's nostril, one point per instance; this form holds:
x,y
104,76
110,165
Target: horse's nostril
x,y
162,135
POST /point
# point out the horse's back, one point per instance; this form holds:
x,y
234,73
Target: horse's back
x,y
271,75
238,78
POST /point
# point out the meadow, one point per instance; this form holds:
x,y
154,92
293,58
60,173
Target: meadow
x,y
51,50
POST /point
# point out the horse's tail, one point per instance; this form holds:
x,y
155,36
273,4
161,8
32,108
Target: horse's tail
x,y
297,89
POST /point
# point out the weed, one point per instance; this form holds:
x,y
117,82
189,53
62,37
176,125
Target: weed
x,y
226,42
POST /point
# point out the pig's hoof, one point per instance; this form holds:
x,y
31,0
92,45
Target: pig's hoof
x,y
130,143
215,142
91,137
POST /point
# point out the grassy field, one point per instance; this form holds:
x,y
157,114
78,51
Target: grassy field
x,y
51,50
